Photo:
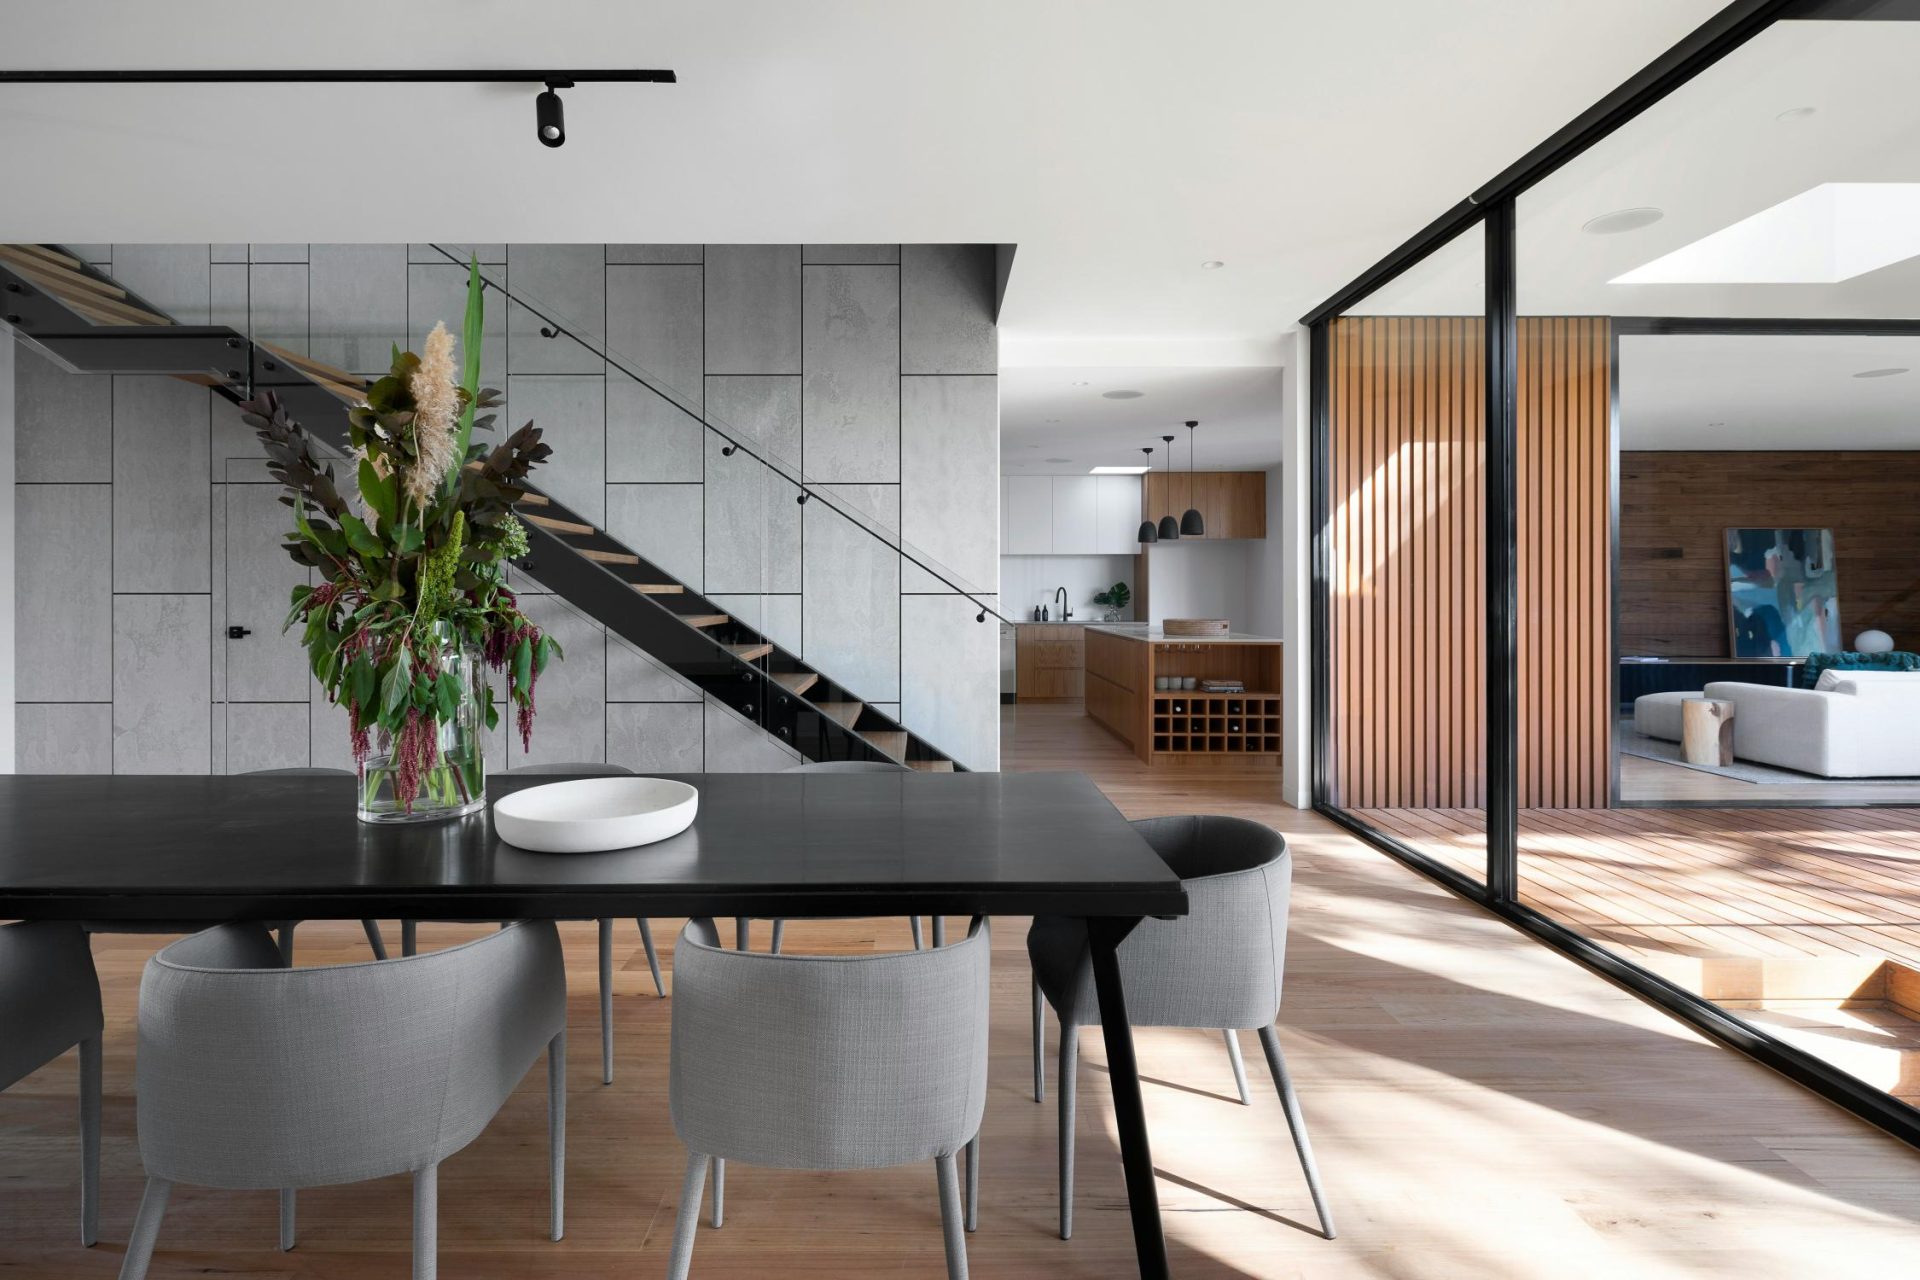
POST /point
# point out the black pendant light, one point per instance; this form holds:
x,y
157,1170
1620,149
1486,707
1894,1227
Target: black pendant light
x,y
1192,524
1169,527
1147,531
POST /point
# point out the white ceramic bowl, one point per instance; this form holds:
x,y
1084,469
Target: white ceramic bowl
x,y
595,814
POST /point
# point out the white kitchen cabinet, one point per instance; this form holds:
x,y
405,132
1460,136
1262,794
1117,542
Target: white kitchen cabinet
x,y
1117,520
1076,503
1029,515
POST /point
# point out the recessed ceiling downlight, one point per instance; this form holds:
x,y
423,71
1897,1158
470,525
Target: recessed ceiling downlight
x,y
1121,395
1878,373
1212,264
1612,224
1059,459
1795,113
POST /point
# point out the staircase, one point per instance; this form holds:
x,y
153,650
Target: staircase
x,y
88,324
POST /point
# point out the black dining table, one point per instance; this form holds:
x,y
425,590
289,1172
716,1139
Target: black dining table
x,y
139,849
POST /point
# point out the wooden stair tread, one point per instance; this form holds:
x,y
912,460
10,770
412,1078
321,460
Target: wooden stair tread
x,y
703,619
558,525
748,652
891,741
659,588
51,255
931,766
797,681
311,367
842,713
608,557
94,306
40,267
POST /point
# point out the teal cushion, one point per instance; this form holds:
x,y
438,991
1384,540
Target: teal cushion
x,y
1897,660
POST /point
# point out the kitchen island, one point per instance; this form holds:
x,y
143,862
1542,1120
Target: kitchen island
x,y
1123,661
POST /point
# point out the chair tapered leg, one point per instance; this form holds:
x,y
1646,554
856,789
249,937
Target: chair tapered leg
x,y
1239,1066
1069,1062
146,1229
739,933
653,957
286,945
950,1215
606,1002
779,935
288,1202
687,1222
375,939
1039,1044
919,943
1277,1064
426,1222
557,1134
973,1183
89,1141
939,931
409,937
719,1192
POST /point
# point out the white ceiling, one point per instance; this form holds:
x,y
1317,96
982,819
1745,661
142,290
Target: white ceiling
x,y
1057,422
1713,153
1768,392
1118,144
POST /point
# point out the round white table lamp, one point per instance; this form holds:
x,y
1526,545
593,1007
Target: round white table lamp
x,y
1873,642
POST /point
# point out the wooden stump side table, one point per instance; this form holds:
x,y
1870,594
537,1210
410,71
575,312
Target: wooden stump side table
x,y
1706,731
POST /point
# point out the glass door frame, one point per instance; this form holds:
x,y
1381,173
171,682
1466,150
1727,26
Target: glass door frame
x,y
1493,206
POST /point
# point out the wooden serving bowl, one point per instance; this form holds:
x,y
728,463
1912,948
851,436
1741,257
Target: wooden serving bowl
x,y
1196,626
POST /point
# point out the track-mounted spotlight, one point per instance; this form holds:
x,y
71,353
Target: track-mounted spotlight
x,y
550,115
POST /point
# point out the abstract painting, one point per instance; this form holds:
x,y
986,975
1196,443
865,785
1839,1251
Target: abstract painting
x,y
1782,596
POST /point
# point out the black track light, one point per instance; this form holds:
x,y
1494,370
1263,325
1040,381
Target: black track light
x,y
1147,532
1192,524
550,116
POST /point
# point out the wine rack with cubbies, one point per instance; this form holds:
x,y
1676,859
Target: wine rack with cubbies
x,y
1200,723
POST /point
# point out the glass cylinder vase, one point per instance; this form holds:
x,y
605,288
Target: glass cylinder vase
x,y
453,781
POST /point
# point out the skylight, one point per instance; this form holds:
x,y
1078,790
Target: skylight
x,y
1119,471
1826,234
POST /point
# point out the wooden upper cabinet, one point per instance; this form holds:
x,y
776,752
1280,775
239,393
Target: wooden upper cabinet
x,y
1233,503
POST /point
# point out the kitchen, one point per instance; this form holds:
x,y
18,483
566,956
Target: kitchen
x,y
1095,610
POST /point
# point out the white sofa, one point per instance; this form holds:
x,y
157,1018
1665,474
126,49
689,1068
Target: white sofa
x,y
1854,724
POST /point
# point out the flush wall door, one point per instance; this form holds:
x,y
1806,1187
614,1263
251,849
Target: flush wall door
x,y
261,721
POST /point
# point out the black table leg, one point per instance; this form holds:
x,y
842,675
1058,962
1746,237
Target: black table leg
x,y
1149,1244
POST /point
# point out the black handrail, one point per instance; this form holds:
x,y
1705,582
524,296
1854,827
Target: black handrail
x,y
554,328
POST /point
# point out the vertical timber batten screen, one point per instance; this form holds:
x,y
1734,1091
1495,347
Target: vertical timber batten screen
x,y
1407,441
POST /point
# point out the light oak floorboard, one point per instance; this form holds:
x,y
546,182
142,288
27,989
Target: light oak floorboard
x,y
1480,1106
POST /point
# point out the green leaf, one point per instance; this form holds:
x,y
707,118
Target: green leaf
x,y
379,492
522,666
361,681
409,539
399,683
361,538
548,648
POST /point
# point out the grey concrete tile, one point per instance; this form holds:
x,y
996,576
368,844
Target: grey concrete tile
x,y
63,593
636,676
852,605
852,389
852,254
63,422
753,308
654,252
736,745
264,735
571,414
950,677
162,533
657,737
489,254
266,665
949,480
662,522
654,331
946,309
567,284
277,252
162,710
359,305
173,277
752,516
277,305
63,737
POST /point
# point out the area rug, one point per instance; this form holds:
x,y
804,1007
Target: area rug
x,y
1634,743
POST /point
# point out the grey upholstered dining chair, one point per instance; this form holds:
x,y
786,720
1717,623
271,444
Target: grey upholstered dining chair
x,y
828,1062
253,1075
841,766
1217,966
50,1002
597,769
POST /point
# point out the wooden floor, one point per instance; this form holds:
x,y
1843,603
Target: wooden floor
x,y
1481,1107
1653,781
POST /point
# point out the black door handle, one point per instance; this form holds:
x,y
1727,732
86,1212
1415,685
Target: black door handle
x,y
237,632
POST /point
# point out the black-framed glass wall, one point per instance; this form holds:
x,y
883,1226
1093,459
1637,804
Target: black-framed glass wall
x,y
1692,436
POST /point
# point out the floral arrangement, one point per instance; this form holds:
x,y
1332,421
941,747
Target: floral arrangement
x,y
413,571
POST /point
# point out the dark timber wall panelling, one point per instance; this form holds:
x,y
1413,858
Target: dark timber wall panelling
x,y
1675,508
1408,600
